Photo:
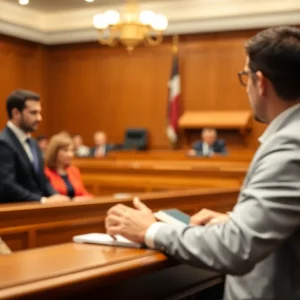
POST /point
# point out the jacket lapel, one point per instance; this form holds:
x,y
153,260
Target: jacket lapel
x,y
41,175
260,151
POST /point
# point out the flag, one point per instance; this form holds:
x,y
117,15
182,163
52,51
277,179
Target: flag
x,y
173,102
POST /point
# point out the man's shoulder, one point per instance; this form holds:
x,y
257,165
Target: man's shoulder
x,y
284,140
3,133
289,134
5,137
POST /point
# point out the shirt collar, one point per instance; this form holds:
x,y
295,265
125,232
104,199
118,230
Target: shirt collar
x,y
19,133
277,122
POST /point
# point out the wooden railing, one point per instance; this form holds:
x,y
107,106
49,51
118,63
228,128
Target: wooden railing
x,y
31,225
103,177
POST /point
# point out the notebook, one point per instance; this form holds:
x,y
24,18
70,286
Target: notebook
x,y
106,239
173,216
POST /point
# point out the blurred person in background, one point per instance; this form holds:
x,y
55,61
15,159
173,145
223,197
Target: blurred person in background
x,y
101,147
80,149
209,145
63,176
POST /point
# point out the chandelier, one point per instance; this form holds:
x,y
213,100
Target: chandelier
x,y
131,27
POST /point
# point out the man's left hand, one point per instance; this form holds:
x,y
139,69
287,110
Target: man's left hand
x,y
129,222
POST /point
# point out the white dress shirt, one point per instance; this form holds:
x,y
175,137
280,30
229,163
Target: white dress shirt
x,y
205,149
83,151
100,151
271,129
22,137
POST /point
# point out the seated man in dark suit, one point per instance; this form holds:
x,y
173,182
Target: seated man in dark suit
x,y
21,163
210,145
101,147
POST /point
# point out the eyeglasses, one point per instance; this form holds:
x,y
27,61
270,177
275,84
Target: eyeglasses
x,y
243,77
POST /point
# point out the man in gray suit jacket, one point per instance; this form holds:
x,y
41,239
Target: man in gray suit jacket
x,y
257,244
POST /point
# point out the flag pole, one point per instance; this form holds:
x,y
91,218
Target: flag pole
x,y
174,97
175,50
175,44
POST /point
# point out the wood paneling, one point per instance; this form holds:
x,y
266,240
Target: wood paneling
x,y
23,66
93,87
104,177
17,240
87,87
106,89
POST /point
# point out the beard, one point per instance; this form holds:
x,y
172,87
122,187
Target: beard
x,y
28,127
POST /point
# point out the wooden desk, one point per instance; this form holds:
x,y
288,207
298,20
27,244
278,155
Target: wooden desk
x,y
31,225
104,177
236,155
96,272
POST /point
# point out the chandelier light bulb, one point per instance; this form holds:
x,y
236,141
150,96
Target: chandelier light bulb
x,y
100,22
23,2
160,23
147,17
130,28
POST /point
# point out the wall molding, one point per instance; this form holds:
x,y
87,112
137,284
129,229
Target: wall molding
x,y
187,16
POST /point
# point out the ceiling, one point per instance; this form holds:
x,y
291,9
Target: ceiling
x,y
60,5
65,5
69,21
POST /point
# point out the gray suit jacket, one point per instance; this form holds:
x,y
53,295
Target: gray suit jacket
x,y
259,246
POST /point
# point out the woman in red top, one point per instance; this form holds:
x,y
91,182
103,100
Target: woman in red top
x,y
64,177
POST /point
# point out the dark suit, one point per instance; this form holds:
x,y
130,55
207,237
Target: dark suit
x,y
218,147
18,180
107,148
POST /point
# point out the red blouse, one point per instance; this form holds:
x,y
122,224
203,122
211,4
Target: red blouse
x,y
74,177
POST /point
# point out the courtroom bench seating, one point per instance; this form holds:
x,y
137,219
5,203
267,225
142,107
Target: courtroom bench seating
x,y
31,225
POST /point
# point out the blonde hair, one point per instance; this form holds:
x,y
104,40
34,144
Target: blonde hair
x,y
56,143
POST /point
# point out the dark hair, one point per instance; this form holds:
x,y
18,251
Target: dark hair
x,y
17,99
41,138
276,53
